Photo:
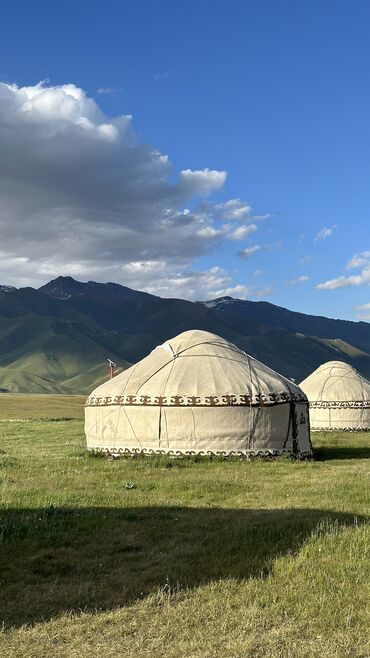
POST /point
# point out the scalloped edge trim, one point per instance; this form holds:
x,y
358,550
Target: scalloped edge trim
x,y
339,429
239,454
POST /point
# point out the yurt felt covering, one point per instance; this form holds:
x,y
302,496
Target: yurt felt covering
x,y
339,398
198,394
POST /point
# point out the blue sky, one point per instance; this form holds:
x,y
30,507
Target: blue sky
x,y
274,92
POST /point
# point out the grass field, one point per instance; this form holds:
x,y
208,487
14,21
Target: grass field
x,y
198,559
23,407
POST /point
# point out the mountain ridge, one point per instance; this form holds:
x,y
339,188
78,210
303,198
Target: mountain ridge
x,y
57,338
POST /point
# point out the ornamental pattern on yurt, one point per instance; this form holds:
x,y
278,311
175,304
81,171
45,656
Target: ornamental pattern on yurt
x,y
198,394
340,404
196,401
129,452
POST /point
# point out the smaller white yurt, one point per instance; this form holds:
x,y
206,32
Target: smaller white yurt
x,y
339,398
198,394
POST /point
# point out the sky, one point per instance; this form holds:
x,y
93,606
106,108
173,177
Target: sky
x,y
190,149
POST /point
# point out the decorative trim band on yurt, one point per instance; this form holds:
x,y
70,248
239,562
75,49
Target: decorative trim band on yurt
x,y
340,404
241,454
339,429
269,399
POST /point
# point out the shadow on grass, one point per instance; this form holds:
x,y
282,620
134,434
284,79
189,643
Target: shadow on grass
x,y
327,453
55,560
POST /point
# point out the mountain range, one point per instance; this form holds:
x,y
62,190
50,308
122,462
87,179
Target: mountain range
x,y
58,338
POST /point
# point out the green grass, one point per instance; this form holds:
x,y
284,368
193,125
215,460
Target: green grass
x,y
26,407
263,559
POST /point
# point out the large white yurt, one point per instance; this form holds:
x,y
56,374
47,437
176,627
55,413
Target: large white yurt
x,y
339,398
198,394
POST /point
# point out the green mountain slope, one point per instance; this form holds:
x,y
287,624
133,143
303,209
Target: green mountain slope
x,y
57,339
46,355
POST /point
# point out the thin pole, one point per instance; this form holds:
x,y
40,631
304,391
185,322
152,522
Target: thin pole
x,y
112,366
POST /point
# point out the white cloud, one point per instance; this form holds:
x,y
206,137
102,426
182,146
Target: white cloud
x,y
79,194
241,291
235,209
299,279
228,231
208,232
358,260
308,258
363,307
261,218
201,182
364,312
195,285
325,233
109,91
241,232
345,281
186,283
249,251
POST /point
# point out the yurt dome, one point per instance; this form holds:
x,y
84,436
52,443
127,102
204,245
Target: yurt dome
x,y
339,398
198,394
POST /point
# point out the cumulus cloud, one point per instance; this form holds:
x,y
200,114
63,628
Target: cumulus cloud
x,y
358,260
249,251
325,233
235,209
186,283
200,182
213,282
228,231
79,194
344,281
298,279
241,232
242,291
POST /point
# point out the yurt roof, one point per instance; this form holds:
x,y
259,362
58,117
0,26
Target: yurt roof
x,y
197,367
336,381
